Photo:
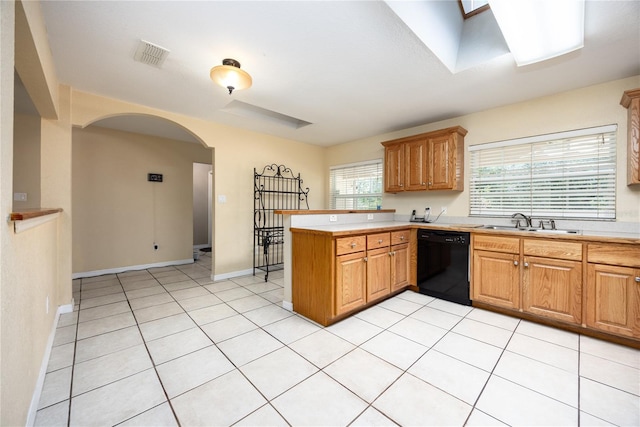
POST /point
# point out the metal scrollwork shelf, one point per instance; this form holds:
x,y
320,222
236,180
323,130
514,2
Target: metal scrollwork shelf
x,y
275,188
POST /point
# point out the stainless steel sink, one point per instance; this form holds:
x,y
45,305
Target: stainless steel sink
x,y
536,230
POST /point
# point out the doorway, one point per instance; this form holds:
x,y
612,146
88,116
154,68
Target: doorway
x,y
202,190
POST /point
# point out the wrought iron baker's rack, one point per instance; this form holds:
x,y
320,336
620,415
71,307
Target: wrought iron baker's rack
x,y
275,188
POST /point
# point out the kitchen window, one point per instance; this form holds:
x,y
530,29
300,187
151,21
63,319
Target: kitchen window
x,y
563,175
356,185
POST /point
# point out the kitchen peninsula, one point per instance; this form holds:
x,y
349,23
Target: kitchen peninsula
x,y
586,282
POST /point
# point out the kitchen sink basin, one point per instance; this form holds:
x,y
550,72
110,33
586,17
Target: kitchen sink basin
x,y
535,230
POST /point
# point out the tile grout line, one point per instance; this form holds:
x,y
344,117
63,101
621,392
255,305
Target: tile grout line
x,y
152,362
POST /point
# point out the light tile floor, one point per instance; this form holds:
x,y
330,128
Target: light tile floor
x,y
166,346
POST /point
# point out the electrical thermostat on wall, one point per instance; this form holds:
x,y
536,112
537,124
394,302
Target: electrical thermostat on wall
x,y
154,177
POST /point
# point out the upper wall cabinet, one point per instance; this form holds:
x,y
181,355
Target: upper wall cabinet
x,y
429,161
631,101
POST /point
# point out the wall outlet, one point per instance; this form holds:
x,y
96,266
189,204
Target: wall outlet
x,y
20,197
369,216
156,247
333,218
222,199
443,209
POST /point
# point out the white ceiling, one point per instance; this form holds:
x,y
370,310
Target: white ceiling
x,y
352,68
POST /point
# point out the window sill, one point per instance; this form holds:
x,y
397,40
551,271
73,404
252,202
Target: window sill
x,y
30,218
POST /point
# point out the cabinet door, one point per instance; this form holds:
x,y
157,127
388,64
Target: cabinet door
x,y
552,288
400,266
496,278
442,163
351,281
394,168
416,165
631,101
613,299
378,273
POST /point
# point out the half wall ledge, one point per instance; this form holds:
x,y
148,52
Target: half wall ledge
x,y
29,218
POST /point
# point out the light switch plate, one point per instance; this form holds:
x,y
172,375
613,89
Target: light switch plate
x,y
333,218
222,198
20,197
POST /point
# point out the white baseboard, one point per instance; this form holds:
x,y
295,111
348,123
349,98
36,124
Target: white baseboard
x,y
130,268
232,274
35,398
287,305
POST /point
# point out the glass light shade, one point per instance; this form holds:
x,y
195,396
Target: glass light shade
x,y
537,30
231,76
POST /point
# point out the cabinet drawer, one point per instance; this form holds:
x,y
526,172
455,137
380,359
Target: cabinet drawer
x,y
347,245
553,249
380,240
399,237
625,255
509,245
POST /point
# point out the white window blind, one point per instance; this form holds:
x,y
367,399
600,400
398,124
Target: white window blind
x,y
356,186
565,175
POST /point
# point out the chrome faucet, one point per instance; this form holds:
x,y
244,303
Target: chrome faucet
x,y
517,216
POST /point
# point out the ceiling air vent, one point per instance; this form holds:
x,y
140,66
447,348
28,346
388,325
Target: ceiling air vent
x,y
152,54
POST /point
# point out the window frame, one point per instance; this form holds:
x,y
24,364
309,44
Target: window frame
x,y
558,186
378,164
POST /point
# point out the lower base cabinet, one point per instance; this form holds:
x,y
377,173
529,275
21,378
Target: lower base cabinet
x,y
496,278
613,289
378,274
552,288
613,299
400,266
351,282
332,277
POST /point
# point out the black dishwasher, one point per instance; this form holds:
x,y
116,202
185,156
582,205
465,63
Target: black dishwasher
x,y
443,265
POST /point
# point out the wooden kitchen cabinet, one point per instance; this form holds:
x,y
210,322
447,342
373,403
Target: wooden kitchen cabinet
x,y
445,162
496,278
552,279
631,101
332,277
613,289
400,259
378,281
394,168
351,282
496,271
429,161
416,165
532,275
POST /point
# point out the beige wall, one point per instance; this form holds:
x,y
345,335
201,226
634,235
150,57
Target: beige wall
x,y
592,106
201,203
237,153
26,160
118,214
35,264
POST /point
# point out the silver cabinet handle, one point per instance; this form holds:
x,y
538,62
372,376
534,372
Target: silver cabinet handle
x,y
365,259
353,245
638,279
380,240
515,262
526,264
401,237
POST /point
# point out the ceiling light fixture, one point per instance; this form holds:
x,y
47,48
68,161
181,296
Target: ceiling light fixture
x,y
537,30
230,76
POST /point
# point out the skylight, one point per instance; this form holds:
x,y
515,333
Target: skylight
x,y
473,7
